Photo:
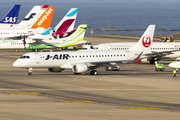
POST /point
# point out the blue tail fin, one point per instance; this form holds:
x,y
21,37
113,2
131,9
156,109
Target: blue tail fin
x,y
12,16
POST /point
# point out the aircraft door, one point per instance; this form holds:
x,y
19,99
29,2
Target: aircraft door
x,y
106,47
37,57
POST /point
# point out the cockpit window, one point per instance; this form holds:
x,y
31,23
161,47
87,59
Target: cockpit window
x,y
24,57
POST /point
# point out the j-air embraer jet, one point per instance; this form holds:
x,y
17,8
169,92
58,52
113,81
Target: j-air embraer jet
x,y
83,61
47,39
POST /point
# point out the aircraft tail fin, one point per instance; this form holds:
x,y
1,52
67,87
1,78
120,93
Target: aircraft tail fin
x,y
32,16
76,37
165,40
45,19
145,42
67,23
12,16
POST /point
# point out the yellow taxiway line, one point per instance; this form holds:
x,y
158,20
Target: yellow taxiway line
x,y
77,101
29,93
142,108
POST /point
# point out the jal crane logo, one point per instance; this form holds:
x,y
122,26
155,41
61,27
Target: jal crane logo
x,y
10,19
146,41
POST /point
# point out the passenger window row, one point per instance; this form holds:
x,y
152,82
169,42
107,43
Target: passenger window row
x,y
86,56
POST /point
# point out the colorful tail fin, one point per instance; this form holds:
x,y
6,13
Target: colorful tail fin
x,y
12,16
45,19
74,38
67,23
165,40
145,42
33,16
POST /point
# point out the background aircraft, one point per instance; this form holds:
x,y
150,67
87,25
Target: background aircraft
x,y
29,19
44,21
63,29
12,16
175,64
161,50
38,44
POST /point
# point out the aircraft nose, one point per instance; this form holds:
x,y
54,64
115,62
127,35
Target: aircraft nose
x,y
17,63
171,65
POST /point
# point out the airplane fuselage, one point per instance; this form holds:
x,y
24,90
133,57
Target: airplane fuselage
x,y
156,47
68,59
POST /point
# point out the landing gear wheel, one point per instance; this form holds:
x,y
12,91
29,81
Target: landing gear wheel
x,y
29,73
151,61
77,73
93,72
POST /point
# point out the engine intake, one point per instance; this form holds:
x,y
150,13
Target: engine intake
x,y
80,67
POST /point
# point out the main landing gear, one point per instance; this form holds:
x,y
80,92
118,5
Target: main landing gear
x,y
93,72
30,71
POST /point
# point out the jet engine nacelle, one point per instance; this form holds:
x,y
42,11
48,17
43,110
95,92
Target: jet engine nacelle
x,y
80,67
55,69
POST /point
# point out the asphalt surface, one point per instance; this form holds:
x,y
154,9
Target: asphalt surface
x,y
137,91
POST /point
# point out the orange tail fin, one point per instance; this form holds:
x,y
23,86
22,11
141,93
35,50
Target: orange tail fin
x,y
45,19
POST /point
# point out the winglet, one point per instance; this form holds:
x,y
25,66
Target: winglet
x,y
145,42
45,19
12,16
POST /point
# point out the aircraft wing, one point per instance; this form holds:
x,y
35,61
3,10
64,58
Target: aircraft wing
x,y
107,63
160,54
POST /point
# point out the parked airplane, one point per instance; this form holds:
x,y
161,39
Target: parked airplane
x,y
43,22
12,16
164,50
63,29
84,61
175,64
29,19
38,44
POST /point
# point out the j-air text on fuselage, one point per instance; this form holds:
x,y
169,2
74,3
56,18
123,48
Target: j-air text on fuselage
x,y
83,61
57,57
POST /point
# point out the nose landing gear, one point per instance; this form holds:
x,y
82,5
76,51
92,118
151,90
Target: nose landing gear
x,y
30,71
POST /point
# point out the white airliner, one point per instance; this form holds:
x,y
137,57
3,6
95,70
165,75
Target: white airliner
x,y
83,61
175,64
38,44
36,25
29,19
164,50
